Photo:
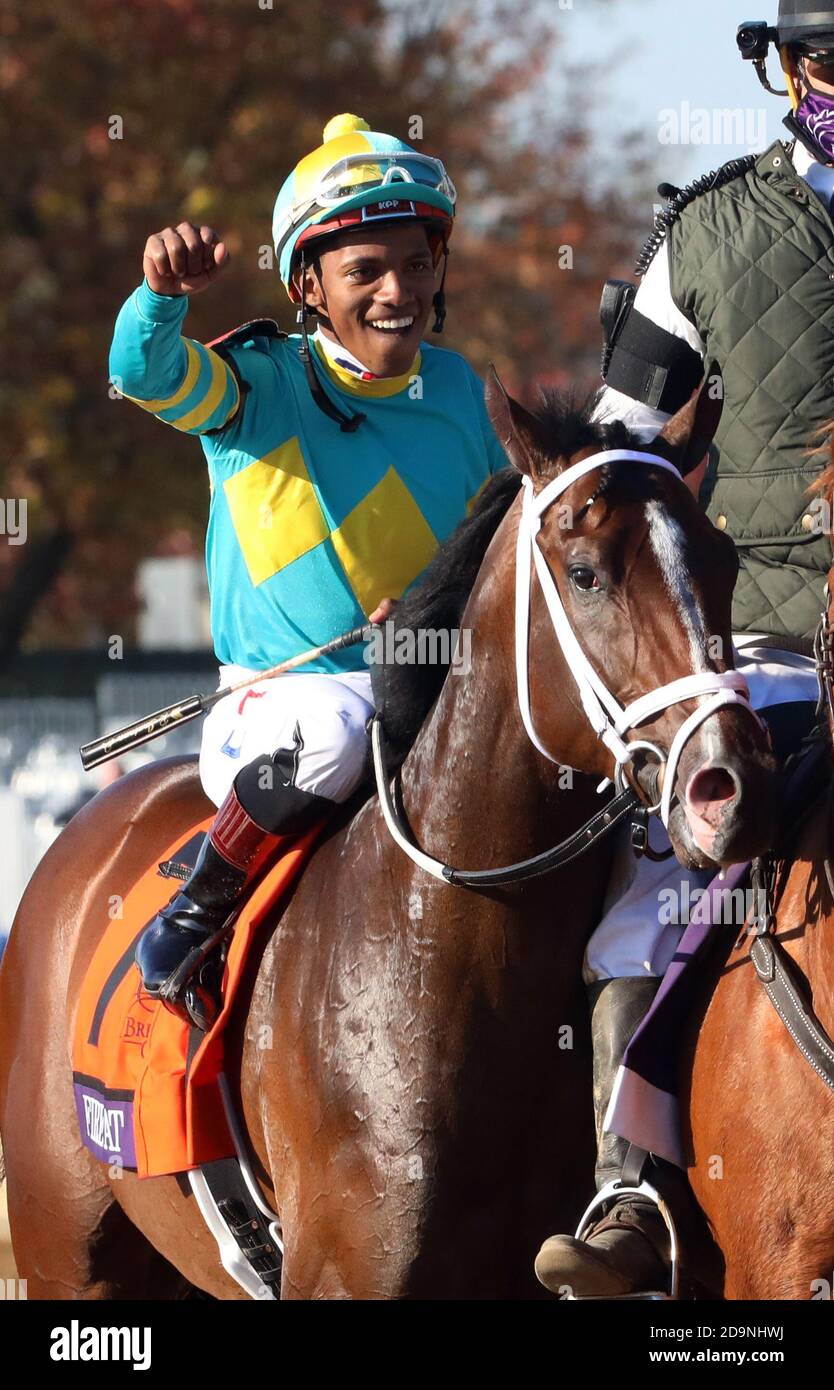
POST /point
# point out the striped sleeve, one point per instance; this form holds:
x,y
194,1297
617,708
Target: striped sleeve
x,y
177,379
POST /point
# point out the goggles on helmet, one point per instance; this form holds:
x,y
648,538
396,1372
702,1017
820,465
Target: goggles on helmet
x,y
357,173
822,58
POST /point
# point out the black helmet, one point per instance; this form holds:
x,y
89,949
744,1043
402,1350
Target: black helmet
x,y
804,22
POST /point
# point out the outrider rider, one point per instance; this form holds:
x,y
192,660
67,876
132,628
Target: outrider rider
x,y
337,464
739,271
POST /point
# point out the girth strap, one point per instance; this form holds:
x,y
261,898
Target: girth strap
x,y
784,988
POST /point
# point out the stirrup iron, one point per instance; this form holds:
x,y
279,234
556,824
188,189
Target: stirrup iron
x,y
643,1189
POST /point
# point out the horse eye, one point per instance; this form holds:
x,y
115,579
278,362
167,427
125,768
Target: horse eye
x,y
583,578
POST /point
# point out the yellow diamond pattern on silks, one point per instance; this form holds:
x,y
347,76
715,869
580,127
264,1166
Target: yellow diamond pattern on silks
x,y
384,543
275,511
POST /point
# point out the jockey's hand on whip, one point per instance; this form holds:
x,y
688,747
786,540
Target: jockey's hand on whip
x,y
383,611
183,260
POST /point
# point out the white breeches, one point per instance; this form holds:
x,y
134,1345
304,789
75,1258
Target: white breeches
x,y
322,716
640,929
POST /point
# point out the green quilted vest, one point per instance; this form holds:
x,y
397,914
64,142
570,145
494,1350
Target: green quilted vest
x,y
752,267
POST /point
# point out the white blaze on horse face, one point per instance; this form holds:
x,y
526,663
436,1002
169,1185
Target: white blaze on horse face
x,y
668,541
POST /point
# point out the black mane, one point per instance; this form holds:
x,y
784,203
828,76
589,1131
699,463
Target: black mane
x,y
405,693
565,426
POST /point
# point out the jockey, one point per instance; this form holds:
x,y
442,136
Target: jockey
x,y
338,462
739,271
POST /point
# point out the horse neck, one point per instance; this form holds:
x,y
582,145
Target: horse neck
x,y
474,787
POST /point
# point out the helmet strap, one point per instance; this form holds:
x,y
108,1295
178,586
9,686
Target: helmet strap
x,y
347,423
439,300
786,60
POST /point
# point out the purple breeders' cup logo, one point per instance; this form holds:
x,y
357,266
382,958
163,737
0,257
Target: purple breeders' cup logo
x,y
815,114
106,1121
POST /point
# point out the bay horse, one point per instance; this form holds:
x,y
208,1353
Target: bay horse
x,y
759,1120
422,1114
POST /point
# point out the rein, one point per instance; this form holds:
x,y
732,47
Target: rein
x,y
610,720
594,830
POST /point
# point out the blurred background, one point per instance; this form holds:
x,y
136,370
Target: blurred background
x,y
556,119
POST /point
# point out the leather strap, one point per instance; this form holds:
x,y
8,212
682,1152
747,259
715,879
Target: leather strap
x,y
577,844
787,993
594,830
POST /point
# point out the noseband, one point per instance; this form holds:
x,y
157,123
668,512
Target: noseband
x,y
610,720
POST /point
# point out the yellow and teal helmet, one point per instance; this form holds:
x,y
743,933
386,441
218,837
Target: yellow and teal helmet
x,y
358,175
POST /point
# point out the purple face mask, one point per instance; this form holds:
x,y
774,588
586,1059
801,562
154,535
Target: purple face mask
x,y
815,114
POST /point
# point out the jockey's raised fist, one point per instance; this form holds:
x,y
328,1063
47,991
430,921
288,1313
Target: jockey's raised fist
x,y
183,259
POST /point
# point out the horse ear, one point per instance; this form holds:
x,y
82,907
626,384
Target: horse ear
x,y
686,437
517,430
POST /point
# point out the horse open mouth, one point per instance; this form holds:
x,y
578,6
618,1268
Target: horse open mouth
x,y
710,798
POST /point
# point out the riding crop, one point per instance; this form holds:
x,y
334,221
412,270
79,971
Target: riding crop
x,y
101,750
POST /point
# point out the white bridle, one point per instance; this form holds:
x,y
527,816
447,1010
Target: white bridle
x,y
607,717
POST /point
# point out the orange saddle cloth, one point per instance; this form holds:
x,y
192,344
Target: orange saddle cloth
x,y
145,1082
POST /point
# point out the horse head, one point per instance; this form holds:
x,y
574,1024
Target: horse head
x,y
625,656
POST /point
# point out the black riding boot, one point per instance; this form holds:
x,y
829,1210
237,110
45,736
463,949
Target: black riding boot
x,y
175,961
626,1250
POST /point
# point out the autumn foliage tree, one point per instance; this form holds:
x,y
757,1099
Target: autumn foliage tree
x,y
120,117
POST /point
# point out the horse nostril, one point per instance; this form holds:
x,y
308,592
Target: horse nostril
x,y
710,792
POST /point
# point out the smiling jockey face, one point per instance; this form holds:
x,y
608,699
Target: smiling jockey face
x,y
372,290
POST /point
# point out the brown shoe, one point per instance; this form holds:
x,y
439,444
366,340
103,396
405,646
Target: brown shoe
x,y
626,1252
